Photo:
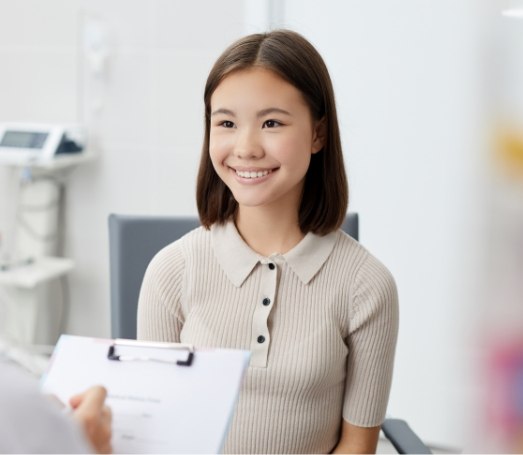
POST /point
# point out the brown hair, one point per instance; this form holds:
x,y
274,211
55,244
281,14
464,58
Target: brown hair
x,y
325,195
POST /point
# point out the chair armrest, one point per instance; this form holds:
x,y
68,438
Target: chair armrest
x,y
402,437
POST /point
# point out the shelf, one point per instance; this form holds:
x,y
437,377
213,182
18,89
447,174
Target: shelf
x,y
58,162
41,270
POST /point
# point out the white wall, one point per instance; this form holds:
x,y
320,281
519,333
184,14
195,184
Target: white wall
x,y
406,78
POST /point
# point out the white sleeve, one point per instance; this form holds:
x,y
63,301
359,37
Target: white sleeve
x,y
30,422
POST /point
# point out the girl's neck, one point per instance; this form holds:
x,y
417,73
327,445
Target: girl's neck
x,y
266,231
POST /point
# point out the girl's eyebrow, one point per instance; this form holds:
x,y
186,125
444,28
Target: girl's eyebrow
x,y
262,113
272,110
223,111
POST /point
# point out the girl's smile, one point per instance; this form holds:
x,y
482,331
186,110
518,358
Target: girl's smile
x,y
249,176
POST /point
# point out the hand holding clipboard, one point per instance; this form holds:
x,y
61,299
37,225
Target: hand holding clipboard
x,y
165,397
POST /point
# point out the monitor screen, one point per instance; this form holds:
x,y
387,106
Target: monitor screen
x,y
24,139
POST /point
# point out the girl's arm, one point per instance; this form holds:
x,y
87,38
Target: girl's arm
x,y
372,340
356,439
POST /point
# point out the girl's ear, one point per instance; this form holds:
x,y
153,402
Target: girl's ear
x,y
319,133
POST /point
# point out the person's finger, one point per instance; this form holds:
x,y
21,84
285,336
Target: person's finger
x,y
92,399
95,417
106,418
102,442
104,432
75,400
108,413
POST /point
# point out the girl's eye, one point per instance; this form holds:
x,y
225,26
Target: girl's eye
x,y
227,124
271,124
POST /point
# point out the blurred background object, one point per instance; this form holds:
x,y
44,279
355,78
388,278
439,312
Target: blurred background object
x,y
500,334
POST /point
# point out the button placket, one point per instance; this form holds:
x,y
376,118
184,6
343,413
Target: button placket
x,y
260,330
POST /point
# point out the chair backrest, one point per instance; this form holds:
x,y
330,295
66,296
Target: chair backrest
x,y
133,241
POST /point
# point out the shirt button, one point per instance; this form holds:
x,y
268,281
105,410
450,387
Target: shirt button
x,y
261,339
271,266
266,301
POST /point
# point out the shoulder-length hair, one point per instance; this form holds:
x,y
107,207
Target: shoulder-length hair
x,y
325,195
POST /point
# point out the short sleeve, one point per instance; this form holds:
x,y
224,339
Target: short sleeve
x,y
373,330
160,316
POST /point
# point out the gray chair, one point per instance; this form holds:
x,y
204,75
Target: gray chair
x,y
134,240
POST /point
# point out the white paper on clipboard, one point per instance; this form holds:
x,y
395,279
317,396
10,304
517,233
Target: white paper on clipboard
x,y
157,407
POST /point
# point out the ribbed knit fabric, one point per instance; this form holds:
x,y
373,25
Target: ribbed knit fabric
x,y
320,321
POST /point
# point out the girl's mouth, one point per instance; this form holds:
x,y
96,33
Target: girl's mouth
x,y
252,174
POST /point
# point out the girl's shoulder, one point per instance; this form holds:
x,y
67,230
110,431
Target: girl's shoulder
x,y
350,248
368,281
364,264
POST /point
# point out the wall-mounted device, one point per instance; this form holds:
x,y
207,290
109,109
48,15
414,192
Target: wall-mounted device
x,y
28,143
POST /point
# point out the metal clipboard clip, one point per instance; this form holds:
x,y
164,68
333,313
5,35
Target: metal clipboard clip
x,y
113,355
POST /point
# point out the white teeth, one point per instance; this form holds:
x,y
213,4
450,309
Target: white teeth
x,y
252,174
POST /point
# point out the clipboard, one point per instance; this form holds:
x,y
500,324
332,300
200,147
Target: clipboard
x,y
165,397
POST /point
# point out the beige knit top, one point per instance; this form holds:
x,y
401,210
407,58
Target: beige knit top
x,y
320,321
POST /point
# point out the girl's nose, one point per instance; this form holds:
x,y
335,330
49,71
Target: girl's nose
x,y
247,145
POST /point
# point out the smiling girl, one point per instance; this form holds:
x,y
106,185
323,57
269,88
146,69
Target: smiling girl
x,y
269,270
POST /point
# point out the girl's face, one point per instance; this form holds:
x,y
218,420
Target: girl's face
x,y
262,136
